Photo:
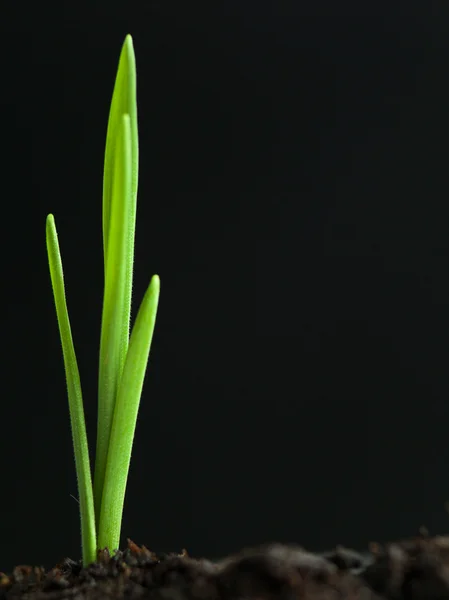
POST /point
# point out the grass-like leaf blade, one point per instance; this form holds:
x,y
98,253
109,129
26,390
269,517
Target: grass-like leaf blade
x,y
125,417
88,533
116,301
123,102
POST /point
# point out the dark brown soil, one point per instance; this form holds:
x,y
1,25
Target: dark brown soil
x,y
410,570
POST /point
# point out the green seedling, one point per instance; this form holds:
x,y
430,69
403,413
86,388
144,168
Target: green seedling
x,y
123,359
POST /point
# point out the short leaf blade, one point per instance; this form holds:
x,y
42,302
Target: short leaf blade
x,y
125,418
88,533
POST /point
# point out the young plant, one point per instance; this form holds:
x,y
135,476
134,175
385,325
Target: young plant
x,y
123,359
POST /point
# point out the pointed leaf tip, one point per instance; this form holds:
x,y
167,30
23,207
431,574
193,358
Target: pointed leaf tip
x,y
129,41
155,280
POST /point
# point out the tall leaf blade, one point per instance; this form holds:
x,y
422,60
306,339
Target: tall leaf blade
x,y
115,315
79,435
123,102
125,418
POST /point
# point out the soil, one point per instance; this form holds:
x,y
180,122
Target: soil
x,y
413,569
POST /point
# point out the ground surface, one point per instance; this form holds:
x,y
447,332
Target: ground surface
x,y
413,569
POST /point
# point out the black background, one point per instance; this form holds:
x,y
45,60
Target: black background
x,y
294,201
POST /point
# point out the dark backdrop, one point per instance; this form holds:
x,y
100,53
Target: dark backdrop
x,y
294,201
